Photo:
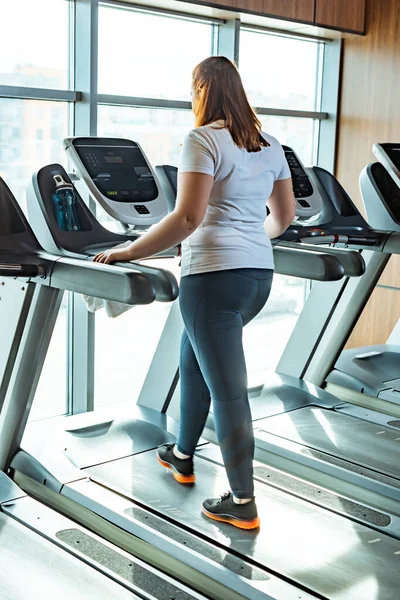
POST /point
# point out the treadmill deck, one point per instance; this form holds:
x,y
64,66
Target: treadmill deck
x,y
313,547
34,568
375,447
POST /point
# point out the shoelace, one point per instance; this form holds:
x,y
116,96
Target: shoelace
x,y
224,497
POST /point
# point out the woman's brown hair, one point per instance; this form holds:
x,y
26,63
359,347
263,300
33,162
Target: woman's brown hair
x,y
219,95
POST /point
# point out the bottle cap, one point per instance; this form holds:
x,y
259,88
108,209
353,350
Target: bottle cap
x,y
59,181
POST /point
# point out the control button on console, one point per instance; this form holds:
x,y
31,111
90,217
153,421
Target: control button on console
x,y
142,210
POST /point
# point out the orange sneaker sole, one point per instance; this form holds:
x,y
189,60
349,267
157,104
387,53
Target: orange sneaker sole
x,y
180,478
254,524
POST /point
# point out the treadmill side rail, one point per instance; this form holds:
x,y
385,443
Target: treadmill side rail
x,y
102,281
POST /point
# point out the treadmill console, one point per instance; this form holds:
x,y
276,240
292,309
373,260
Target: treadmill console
x,y
308,200
119,177
168,178
381,197
389,156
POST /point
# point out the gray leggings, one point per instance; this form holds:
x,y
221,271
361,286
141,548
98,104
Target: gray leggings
x,y
215,306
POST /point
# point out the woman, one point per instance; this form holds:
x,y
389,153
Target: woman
x,y
229,170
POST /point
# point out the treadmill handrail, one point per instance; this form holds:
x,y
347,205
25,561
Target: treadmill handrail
x,y
20,270
352,261
109,282
163,281
307,264
392,243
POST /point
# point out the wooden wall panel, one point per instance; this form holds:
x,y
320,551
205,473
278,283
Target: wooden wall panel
x,y
377,320
369,112
370,95
341,14
296,10
391,275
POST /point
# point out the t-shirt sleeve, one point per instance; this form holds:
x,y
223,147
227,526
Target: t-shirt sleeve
x,y
284,172
197,155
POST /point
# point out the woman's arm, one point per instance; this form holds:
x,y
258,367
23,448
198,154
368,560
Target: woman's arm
x,y
194,191
282,206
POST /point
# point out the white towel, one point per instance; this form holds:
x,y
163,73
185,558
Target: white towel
x,y
113,309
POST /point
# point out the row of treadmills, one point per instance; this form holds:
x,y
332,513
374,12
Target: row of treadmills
x,y
85,510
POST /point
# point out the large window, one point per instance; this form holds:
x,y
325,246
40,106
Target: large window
x,y
299,134
147,55
34,43
280,71
270,84
143,58
147,73
159,131
31,133
285,75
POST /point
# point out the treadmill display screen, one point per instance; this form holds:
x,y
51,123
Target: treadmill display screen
x,y
119,172
302,187
389,190
394,155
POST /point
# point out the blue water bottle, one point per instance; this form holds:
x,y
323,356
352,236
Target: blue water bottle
x,y
65,205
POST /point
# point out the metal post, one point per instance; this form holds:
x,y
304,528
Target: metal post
x,y
344,318
329,104
27,369
228,40
15,301
81,331
162,376
326,321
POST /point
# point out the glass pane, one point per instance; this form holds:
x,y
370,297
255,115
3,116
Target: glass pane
x,y
51,394
31,133
285,74
124,349
34,43
299,134
265,338
159,53
159,131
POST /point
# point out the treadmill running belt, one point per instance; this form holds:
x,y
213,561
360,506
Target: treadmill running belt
x,y
373,446
33,568
326,553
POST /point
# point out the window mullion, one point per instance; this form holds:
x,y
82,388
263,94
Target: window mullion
x,y
82,332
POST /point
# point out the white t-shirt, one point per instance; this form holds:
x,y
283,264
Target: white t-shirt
x,y
232,234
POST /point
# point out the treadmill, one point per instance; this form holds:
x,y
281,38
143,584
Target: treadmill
x,y
375,370
301,428
43,553
320,434
336,442
98,464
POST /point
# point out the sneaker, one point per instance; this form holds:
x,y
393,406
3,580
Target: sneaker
x,y
225,509
182,468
